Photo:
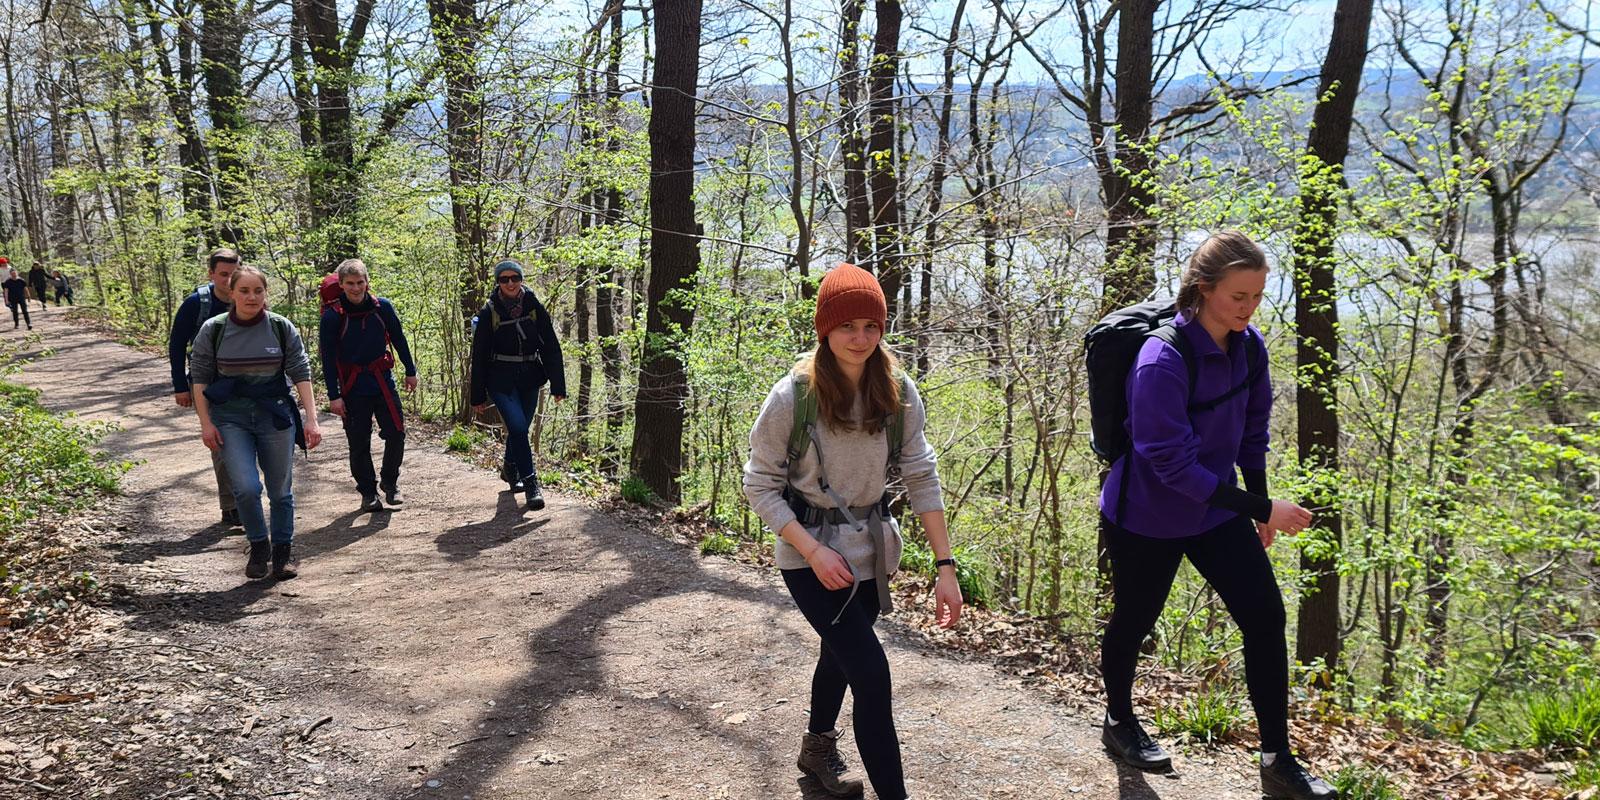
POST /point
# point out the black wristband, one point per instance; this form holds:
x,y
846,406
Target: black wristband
x,y
943,561
1233,498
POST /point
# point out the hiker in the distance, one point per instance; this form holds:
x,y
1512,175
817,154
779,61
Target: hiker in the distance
x,y
243,366
1174,495
821,453
39,279
63,287
356,334
16,290
208,301
514,353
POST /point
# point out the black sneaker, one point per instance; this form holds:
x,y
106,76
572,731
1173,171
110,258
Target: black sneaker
x,y
393,497
1287,780
260,560
370,502
230,519
1128,741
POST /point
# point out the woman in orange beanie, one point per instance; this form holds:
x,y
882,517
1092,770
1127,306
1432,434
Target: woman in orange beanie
x,y
821,454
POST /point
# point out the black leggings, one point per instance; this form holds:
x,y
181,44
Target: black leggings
x,y
852,657
1230,557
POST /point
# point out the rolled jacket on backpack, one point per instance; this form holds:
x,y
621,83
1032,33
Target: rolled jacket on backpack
x,y
1178,461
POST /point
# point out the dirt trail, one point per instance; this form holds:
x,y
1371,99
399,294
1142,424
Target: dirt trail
x,y
466,648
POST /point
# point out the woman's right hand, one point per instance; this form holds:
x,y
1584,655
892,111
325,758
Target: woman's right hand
x,y
831,568
1288,518
211,436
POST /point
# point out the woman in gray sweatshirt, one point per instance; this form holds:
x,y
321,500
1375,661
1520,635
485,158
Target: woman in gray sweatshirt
x,y
820,454
243,365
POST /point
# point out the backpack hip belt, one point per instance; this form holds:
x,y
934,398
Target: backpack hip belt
x,y
525,358
350,373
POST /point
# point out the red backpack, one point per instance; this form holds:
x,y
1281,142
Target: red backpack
x,y
330,290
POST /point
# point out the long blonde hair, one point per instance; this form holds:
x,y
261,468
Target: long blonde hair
x,y
836,397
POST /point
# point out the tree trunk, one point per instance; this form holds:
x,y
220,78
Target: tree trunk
x,y
857,214
674,248
882,162
941,170
1317,320
221,45
605,309
458,30
1130,233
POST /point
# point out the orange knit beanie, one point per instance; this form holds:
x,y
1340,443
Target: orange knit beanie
x,y
849,292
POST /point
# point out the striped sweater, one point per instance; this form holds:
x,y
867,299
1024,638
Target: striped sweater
x,y
249,352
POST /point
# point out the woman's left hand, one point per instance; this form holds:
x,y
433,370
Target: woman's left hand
x,y
410,383
313,436
947,593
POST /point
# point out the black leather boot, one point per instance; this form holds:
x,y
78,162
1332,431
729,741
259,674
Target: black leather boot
x,y
281,568
260,554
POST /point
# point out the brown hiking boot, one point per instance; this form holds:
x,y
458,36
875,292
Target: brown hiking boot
x,y
819,758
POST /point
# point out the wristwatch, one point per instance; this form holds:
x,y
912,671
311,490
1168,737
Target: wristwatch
x,y
943,561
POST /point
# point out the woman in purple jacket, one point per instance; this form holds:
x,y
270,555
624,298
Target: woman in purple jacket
x,y
1175,496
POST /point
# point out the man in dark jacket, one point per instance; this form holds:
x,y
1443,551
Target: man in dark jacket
x,y
16,291
38,279
355,334
204,303
514,353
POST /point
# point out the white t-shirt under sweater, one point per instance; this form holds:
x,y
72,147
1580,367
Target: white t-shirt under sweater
x,y
855,466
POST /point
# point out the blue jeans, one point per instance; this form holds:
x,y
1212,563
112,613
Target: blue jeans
x,y
517,408
249,440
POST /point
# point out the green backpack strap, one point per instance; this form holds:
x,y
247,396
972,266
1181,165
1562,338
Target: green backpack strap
x,y
805,414
896,425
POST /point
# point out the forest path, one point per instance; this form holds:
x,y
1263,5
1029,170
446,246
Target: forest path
x,y
466,648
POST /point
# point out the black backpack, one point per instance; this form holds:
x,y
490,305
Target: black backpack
x,y
1110,349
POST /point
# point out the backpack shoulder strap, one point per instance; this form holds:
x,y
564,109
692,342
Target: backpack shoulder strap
x,y
1170,334
805,415
896,426
216,334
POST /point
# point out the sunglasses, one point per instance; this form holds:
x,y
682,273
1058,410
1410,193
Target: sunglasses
x,y
508,279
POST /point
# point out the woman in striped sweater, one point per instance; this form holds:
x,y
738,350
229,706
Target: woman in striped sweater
x,y
242,367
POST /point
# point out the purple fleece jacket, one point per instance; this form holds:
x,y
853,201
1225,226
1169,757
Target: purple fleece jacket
x,y
1177,462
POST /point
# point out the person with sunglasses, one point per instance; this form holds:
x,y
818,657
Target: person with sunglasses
x,y
514,353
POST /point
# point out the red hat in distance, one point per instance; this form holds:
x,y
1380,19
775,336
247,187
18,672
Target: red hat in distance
x,y
849,292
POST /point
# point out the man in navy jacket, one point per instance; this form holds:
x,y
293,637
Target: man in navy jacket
x,y
202,304
356,334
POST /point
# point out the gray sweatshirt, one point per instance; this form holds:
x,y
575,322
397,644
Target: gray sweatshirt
x,y
250,353
855,466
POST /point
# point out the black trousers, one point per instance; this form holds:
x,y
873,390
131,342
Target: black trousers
x,y
1230,557
852,657
24,306
359,411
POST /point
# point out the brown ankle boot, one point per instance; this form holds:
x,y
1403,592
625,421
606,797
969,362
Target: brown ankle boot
x,y
819,758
